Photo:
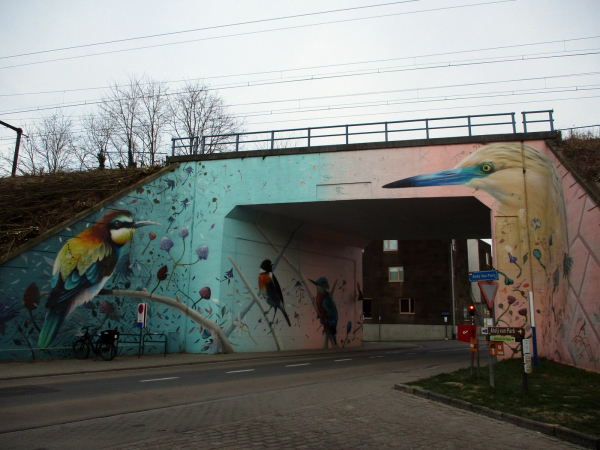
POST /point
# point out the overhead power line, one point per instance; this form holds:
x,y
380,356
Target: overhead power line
x,y
194,30
256,32
324,77
298,69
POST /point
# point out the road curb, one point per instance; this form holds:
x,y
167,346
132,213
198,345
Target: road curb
x,y
565,434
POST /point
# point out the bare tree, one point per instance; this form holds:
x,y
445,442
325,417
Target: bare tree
x,y
195,111
98,136
153,115
50,146
121,105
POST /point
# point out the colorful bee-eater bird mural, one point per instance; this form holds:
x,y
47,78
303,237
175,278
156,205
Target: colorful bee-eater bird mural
x,y
84,265
527,186
326,306
270,289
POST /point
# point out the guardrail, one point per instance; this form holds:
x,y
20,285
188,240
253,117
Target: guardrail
x,y
347,134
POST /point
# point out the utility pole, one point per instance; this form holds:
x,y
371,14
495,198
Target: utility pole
x,y
17,145
452,284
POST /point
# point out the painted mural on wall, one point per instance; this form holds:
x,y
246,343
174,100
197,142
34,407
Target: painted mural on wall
x,y
95,272
531,240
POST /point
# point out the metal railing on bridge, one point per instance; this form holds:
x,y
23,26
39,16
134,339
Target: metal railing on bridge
x,y
362,132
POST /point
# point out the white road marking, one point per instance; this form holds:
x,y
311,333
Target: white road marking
x,y
339,360
159,379
238,371
297,365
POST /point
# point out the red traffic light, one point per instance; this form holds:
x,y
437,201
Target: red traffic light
x,y
472,309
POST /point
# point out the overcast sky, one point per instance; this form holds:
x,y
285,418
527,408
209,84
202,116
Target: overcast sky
x,y
391,61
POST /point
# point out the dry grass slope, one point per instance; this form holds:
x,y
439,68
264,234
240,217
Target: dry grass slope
x,y
31,205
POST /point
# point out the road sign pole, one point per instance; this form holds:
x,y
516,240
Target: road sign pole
x,y
532,320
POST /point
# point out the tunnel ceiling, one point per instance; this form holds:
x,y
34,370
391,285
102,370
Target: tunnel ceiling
x,y
422,218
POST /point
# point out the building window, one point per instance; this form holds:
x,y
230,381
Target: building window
x,y
407,306
396,274
488,259
390,246
367,308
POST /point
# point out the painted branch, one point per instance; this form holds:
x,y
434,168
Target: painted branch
x,y
256,300
302,277
185,309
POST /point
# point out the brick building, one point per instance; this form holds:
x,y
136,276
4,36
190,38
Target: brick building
x,y
410,284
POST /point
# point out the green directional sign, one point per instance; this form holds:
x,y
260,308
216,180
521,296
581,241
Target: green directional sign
x,y
503,338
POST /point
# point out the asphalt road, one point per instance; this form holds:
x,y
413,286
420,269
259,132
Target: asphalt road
x,y
37,409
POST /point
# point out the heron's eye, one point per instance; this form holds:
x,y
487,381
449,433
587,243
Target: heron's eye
x,y
118,224
487,167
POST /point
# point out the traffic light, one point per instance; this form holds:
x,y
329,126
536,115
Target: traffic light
x,y
471,309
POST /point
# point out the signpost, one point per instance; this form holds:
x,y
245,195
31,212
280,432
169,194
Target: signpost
x,y
503,331
496,349
526,362
445,315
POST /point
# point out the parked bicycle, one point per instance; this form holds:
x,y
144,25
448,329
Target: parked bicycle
x,y
103,345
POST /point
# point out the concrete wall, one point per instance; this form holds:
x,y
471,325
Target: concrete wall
x,y
545,234
407,332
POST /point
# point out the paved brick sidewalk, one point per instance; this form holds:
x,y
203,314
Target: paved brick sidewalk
x,y
386,420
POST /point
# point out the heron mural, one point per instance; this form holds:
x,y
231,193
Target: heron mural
x,y
531,234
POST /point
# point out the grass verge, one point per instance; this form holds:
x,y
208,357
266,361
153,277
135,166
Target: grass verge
x,y
558,394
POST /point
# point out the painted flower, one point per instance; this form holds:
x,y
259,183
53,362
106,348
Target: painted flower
x,y
152,236
31,298
205,293
511,258
162,273
229,273
107,308
166,244
206,334
189,170
185,202
202,252
185,232
536,223
523,312
171,219
170,184
511,299
127,284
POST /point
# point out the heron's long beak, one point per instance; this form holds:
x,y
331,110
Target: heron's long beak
x,y
441,178
143,223
313,282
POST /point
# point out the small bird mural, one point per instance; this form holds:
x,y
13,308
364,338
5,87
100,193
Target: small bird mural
x,y
270,290
326,307
526,184
84,265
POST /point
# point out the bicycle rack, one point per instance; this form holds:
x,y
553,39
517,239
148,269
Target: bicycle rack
x,y
143,338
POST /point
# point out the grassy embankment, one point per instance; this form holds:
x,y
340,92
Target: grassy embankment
x,y
557,394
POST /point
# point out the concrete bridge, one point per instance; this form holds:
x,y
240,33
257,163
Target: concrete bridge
x,y
310,212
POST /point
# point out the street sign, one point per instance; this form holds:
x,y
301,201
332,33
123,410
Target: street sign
x,y
503,331
502,339
526,347
496,349
483,275
488,291
141,316
527,367
527,359
445,314
466,332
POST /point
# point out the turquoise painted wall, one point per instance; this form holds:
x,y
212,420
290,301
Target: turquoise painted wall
x,y
193,244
